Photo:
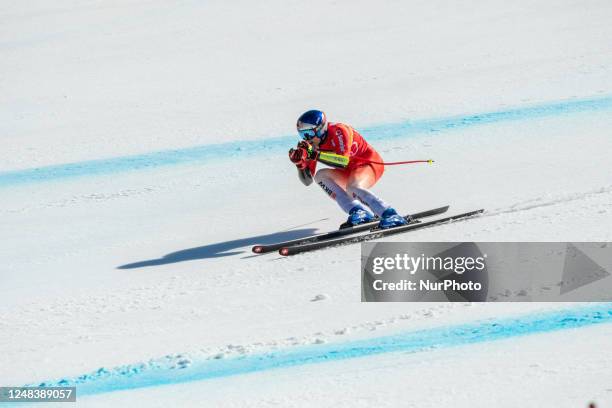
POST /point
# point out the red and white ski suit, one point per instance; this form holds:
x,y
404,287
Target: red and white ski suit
x,y
345,141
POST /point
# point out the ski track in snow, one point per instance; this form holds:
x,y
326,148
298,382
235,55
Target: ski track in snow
x,y
179,368
540,202
276,145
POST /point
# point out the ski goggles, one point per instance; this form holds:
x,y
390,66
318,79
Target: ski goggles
x,y
309,131
307,134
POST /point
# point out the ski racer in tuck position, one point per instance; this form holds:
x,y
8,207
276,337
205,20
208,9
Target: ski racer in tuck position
x,y
357,167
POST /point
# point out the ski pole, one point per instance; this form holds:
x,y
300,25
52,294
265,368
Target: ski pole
x,y
396,163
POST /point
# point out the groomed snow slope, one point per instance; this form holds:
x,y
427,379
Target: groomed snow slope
x,y
122,264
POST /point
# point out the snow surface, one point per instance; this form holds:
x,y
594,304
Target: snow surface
x,y
122,265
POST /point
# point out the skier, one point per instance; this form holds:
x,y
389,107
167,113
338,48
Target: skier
x,y
357,168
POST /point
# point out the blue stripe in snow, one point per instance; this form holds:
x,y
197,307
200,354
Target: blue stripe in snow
x,y
276,145
156,374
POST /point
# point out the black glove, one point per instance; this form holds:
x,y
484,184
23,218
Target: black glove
x,y
311,153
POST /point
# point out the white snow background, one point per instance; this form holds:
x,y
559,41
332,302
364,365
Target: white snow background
x,y
126,266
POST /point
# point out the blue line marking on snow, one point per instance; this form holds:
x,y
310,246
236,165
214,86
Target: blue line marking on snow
x,y
155,374
276,145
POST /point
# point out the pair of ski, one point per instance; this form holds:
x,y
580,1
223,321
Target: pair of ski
x,y
348,235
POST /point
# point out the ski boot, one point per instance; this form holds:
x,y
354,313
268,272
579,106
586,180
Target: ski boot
x,y
390,218
358,215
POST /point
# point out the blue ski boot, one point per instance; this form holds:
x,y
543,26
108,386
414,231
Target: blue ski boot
x,y
358,215
390,219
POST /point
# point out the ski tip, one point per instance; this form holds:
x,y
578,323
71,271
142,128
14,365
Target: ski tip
x,y
258,249
284,251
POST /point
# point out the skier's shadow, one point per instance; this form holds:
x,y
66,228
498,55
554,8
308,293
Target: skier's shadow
x,y
221,249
